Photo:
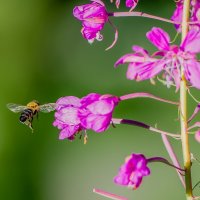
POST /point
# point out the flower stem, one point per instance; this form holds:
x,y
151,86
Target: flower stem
x,y
143,125
173,156
183,110
146,95
141,14
165,161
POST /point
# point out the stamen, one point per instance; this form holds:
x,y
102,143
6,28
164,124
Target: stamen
x,y
193,96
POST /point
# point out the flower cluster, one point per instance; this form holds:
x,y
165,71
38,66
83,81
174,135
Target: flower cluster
x,y
177,63
91,112
168,59
195,14
93,17
132,171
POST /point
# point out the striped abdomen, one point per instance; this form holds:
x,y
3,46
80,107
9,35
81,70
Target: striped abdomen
x,y
27,114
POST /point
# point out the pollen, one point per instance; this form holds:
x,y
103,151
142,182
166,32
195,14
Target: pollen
x,y
85,139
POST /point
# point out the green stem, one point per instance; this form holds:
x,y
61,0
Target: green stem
x,y
183,110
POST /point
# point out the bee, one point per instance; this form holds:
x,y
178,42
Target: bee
x,y
30,110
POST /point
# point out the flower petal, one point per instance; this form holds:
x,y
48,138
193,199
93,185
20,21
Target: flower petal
x,y
144,71
177,17
95,122
68,115
159,38
67,101
192,72
90,98
68,132
140,50
89,34
91,10
192,42
101,107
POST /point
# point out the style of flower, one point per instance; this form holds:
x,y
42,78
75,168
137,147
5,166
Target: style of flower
x,y
66,117
117,3
132,171
93,17
168,59
194,16
129,3
96,111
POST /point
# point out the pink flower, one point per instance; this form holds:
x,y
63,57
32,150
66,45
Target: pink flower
x,y
194,13
96,111
91,112
132,171
67,119
93,17
168,59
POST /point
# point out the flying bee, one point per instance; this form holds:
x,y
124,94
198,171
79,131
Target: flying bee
x,y
30,110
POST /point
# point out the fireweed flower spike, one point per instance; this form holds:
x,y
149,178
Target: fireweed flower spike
x,y
135,168
168,59
93,17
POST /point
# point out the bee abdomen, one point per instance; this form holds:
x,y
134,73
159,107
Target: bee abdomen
x,y
25,115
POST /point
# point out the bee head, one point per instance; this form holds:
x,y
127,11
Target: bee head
x,y
35,101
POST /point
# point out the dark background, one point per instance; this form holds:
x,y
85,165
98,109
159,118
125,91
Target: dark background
x,y
43,56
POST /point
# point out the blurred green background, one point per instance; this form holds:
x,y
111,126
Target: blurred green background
x,y
43,56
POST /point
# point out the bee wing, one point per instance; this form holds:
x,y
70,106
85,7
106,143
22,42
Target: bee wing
x,y
47,107
15,107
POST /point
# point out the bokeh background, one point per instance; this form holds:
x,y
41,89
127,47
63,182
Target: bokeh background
x,y
43,56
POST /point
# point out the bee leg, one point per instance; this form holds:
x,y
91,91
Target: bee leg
x,y
30,124
31,127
